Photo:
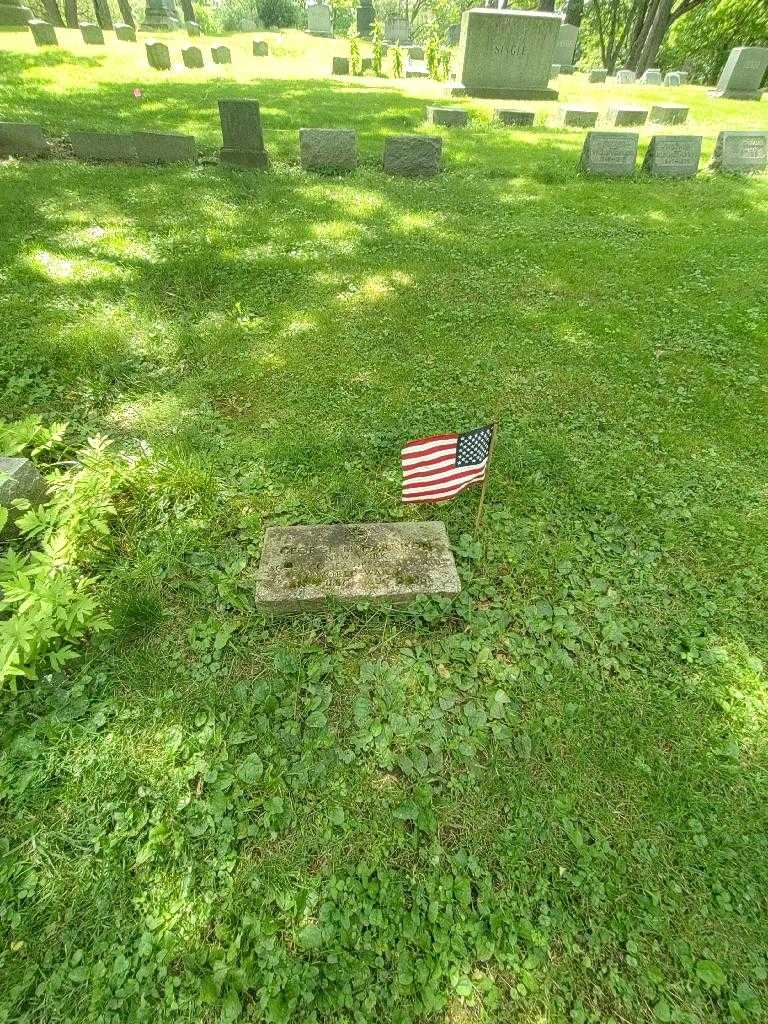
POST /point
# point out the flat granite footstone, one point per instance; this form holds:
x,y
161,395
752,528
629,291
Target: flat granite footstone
x,y
612,154
507,54
107,147
625,117
328,149
451,116
221,55
673,156
597,75
260,48
242,135
126,33
19,479
163,148
743,73
92,34
192,56
158,55
413,156
340,66
579,117
741,152
304,567
43,32
515,118
20,139
668,113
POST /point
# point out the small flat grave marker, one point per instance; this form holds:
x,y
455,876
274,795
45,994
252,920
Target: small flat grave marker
x,y
741,152
328,149
652,77
109,147
668,113
304,567
612,154
579,117
163,148
597,75
625,117
451,116
625,77
673,156
260,48
92,34
413,156
19,139
515,118
340,66
672,79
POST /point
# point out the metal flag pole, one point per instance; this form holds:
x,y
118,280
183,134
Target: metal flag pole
x,y
495,425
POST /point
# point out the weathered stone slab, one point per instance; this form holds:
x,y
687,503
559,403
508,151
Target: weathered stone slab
x,y
242,134
451,116
398,30
413,156
19,480
328,149
668,113
221,55
565,47
579,117
20,139
507,54
91,33
565,69
158,55
109,147
366,64
260,48
741,152
304,567
43,32
625,77
192,56
612,154
416,69
672,79
340,66
625,117
320,20
651,77
163,148
673,156
597,75
515,118
192,27
126,33
743,73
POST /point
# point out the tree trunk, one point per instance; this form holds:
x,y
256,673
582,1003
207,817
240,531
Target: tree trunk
x,y
187,10
574,11
103,17
126,13
547,5
70,13
52,13
652,41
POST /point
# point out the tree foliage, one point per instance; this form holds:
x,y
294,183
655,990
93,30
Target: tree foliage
x,y
702,41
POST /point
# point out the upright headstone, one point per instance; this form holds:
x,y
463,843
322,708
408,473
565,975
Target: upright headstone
x,y
91,33
21,139
743,73
651,77
192,56
413,156
683,76
320,20
260,48
625,77
14,15
127,33
515,118
626,117
668,113
192,27
612,154
453,35
19,481
242,134
741,152
567,37
398,30
328,149
43,32
672,79
579,117
159,16
597,75
450,116
221,55
673,156
507,54
163,148
158,55
365,17
340,66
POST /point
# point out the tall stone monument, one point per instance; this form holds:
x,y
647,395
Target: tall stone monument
x,y
365,17
160,15
507,54
743,72
320,20
14,14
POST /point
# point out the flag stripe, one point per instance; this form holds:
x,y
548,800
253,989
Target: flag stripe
x,y
445,476
427,469
438,495
446,487
437,452
426,442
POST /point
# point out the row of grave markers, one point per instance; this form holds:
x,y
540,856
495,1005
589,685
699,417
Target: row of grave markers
x,y
334,149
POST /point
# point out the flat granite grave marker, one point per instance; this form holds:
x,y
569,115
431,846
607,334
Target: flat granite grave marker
x,y
579,117
320,20
741,152
651,77
565,46
20,139
328,149
303,568
451,116
260,48
413,156
19,479
163,148
672,79
192,56
612,154
673,156
126,33
110,147
597,75
625,77
507,54
92,34
43,32
158,55
743,72
625,117
340,66
515,118
242,135
221,55
668,113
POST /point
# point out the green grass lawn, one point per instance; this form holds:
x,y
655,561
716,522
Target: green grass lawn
x,y
542,802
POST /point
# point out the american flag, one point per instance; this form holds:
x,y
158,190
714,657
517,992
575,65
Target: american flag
x,y
436,468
